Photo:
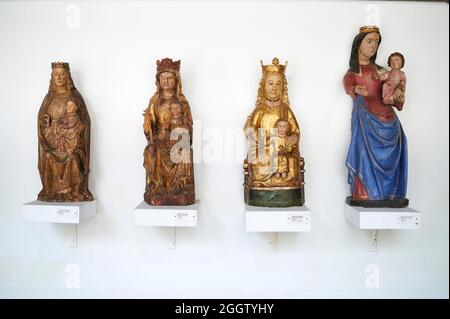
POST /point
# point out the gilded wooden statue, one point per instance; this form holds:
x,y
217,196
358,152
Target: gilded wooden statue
x,y
273,169
64,140
168,129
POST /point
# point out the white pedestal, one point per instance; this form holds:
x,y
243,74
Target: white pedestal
x,y
166,216
383,218
268,219
58,212
374,219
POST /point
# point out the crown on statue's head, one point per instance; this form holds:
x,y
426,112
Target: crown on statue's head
x,y
167,65
369,29
63,65
274,67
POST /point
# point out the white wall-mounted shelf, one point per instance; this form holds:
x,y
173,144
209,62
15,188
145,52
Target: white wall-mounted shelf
x,y
269,219
72,213
375,219
166,216
58,212
383,218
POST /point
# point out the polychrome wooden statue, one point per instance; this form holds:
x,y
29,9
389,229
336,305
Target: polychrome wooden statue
x,y
273,169
377,159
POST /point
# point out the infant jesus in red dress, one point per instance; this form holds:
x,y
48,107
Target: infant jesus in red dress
x,y
393,79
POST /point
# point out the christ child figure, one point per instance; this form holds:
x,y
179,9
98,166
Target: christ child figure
x,y
284,151
177,120
69,129
393,79
180,128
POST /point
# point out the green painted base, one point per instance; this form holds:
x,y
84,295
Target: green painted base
x,y
274,198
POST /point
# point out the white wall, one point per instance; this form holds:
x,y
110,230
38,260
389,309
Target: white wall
x,y
112,50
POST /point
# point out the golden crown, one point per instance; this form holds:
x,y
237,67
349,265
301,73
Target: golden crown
x,y
369,29
63,65
274,67
167,65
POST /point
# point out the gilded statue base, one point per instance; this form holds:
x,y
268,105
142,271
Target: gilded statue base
x,y
169,200
389,203
274,197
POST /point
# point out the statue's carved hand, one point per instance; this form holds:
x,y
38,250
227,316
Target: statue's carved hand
x,y
399,95
361,90
151,149
291,140
61,156
45,120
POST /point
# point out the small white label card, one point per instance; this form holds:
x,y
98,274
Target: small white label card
x,y
67,212
184,216
297,219
407,219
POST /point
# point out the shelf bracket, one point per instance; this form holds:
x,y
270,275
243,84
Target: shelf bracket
x,y
373,240
273,241
173,238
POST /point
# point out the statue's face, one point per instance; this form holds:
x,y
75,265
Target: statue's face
x,y
59,76
175,108
396,62
273,86
167,80
282,127
369,45
71,107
